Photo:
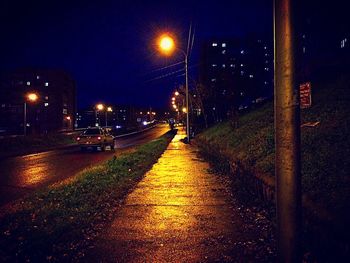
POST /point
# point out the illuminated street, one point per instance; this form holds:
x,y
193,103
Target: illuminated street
x,y
23,174
180,212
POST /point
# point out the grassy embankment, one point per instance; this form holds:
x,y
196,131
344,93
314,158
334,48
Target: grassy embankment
x,y
325,149
12,146
59,223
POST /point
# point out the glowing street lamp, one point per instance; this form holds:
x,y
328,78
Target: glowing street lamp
x,y
30,97
177,93
166,46
109,109
98,107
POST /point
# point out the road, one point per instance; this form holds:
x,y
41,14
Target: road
x,y
24,174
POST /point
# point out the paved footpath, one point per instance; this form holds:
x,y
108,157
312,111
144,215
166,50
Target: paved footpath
x,y
179,212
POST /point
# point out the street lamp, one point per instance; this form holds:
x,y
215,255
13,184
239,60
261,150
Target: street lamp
x,y
98,107
109,109
167,45
30,97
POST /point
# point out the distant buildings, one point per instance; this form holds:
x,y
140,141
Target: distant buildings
x,y
54,110
121,117
235,73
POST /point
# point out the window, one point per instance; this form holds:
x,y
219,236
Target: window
x,y
242,51
28,83
304,50
46,104
214,44
343,42
223,52
213,65
232,65
251,76
38,77
242,72
265,47
223,65
266,69
242,65
46,84
223,44
213,80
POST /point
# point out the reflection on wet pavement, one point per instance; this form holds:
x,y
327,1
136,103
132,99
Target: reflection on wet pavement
x,y
177,213
24,174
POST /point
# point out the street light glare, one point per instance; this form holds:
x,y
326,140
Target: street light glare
x,y
166,44
109,109
32,96
99,106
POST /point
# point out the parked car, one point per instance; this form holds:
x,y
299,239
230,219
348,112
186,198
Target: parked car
x,y
95,138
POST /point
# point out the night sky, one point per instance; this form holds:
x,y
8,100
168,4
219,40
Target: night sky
x,y
108,47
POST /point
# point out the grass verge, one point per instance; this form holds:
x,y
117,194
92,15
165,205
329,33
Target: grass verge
x,y
325,153
59,223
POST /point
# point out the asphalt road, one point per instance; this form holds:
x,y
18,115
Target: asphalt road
x,y
24,174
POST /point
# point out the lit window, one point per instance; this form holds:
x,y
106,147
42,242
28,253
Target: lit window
x,y
213,65
242,65
37,77
214,44
265,82
251,76
46,84
46,104
223,52
213,80
242,51
46,97
304,50
242,72
266,69
223,65
265,47
266,54
223,44
232,66
242,94
28,83
266,61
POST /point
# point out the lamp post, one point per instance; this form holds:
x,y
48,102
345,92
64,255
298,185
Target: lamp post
x,y
109,109
98,107
166,45
30,97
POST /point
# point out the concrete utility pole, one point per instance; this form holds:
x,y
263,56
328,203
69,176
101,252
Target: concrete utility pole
x,y
287,134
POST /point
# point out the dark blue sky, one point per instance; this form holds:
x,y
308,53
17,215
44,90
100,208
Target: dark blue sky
x,y
108,46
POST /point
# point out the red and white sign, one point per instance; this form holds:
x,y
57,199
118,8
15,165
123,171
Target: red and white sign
x,y
305,95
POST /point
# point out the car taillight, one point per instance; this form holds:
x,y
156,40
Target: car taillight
x,y
78,138
99,138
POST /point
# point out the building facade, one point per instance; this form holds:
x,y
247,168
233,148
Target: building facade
x,y
53,111
235,74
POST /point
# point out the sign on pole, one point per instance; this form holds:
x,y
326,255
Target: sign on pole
x,y
305,95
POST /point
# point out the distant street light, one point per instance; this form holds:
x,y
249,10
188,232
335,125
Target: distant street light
x,y
98,107
167,46
177,93
30,97
109,109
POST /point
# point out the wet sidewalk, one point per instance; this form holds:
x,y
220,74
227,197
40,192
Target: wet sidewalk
x,y
179,212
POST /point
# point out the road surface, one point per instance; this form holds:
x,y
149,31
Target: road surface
x,y
24,174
